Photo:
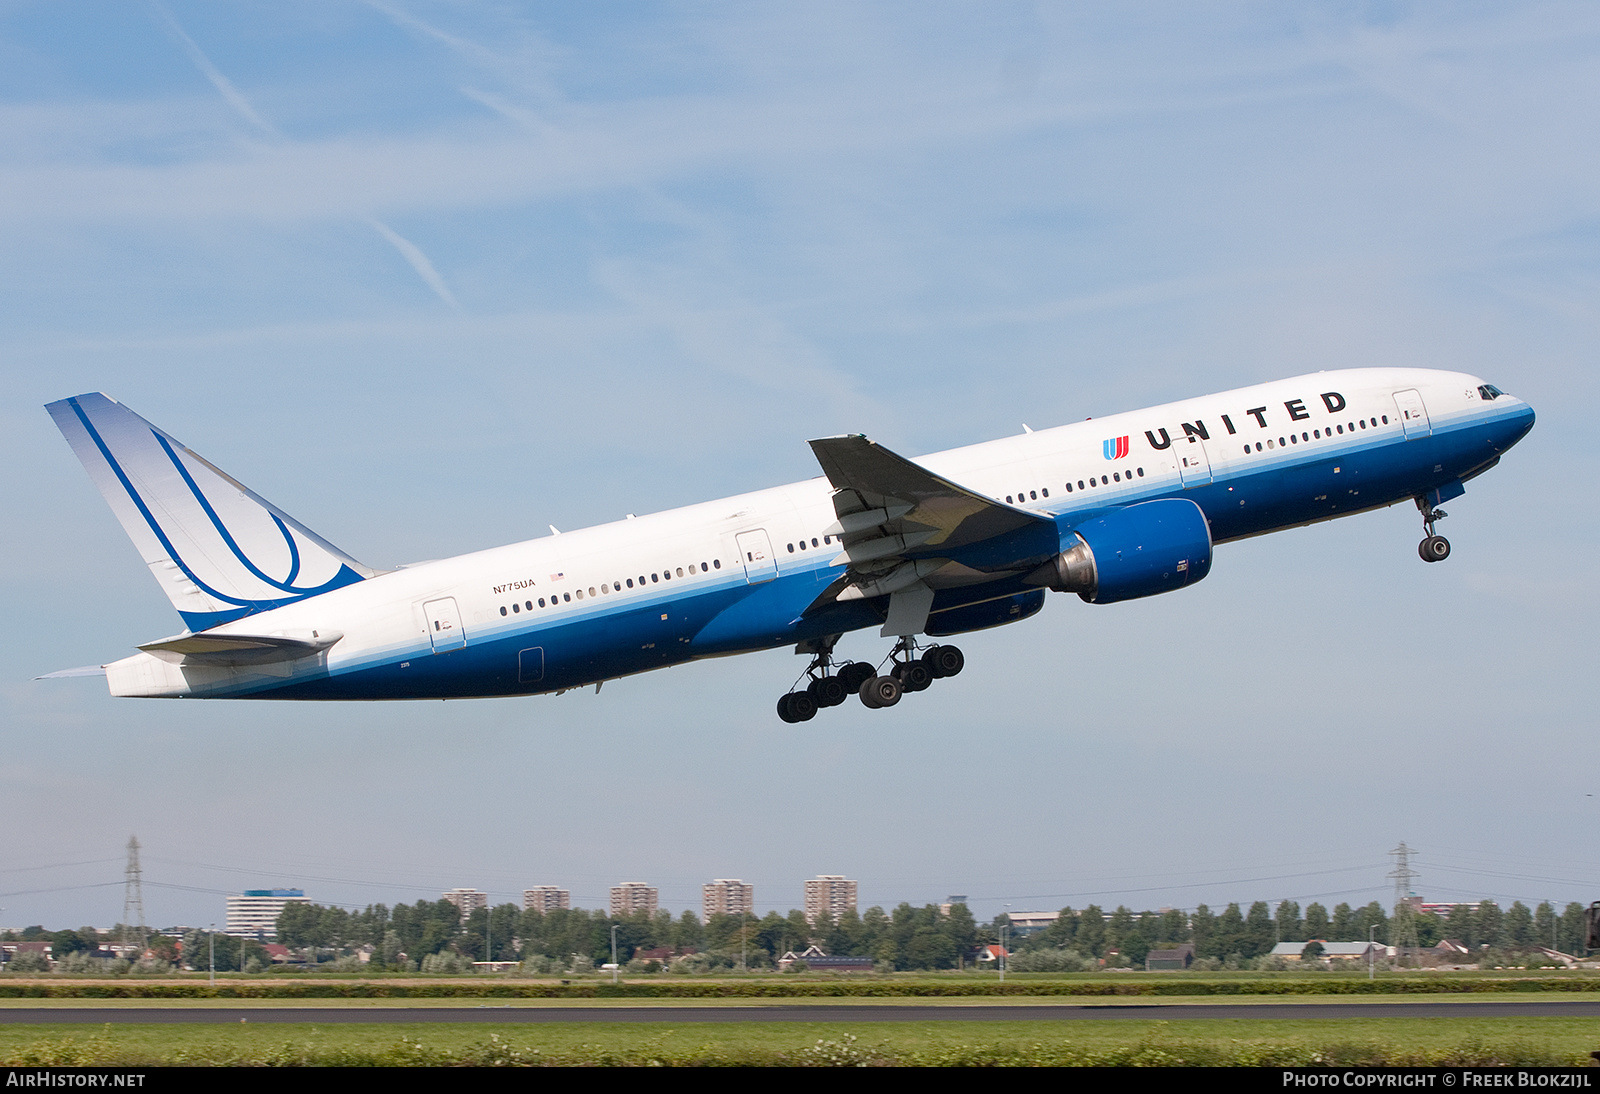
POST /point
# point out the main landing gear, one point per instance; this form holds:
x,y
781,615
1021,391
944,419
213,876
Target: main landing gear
x,y
829,687
1435,548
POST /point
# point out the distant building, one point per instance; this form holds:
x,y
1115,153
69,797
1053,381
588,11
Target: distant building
x,y
1334,951
831,895
254,912
817,961
950,902
545,898
633,896
1179,958
727,896
468,900
1026,923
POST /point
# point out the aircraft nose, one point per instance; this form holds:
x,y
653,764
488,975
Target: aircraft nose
x,y
1517,425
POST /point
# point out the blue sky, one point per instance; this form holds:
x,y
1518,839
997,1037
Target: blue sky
x,y
432,276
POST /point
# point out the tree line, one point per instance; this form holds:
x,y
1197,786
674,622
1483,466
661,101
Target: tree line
x,y
906,938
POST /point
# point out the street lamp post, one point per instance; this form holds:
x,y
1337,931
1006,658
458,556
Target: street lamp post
x,y
213,939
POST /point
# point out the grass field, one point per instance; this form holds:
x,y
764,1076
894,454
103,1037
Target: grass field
x,y
1399,1040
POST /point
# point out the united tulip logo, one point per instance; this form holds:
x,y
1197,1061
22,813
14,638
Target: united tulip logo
x,y
1115,447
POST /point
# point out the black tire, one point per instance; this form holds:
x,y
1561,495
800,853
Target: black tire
x,y
1434,549
944,661
829,691
802,706
880,691
783,708
856,673
914,676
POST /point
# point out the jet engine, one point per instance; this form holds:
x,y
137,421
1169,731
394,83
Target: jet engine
x,y
1140,550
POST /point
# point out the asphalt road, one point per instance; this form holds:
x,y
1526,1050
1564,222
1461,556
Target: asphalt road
x,y
803,1013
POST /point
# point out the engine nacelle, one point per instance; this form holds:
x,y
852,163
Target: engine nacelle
x,y
1141,550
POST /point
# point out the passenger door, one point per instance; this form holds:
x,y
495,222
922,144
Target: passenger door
x,y
444,624
1413,415
755,551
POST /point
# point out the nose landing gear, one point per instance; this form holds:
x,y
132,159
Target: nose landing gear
x,y
1435,548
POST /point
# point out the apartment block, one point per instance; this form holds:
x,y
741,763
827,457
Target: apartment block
x,y
468,900
633,896
545,898
727,896
830,894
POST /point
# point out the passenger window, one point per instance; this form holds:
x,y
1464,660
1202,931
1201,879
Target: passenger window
x,y
514,607
1080,484
717,562
528,604
1033,495
813,543
802,545
1045,491
1104,481
1069,488
1117,475
605,588
502,609
791,548
1141,472
654,578
541,602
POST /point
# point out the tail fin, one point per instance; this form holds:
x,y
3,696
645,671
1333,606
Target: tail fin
x,y
219,551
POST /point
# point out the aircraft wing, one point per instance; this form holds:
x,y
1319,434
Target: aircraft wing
x,y
905,529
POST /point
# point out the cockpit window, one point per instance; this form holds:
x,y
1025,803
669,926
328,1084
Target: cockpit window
x,y
1489,392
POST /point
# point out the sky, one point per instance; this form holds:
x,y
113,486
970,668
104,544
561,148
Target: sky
x,y
434,276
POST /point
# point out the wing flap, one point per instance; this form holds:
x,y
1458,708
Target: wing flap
x,y
904,528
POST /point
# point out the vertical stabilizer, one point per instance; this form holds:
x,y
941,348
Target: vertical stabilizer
x,y
219,551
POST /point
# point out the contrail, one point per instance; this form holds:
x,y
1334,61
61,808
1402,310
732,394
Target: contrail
x,y
419,261
235,98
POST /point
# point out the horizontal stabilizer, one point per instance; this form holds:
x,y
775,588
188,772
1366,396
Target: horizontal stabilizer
x,y
238,649
219,551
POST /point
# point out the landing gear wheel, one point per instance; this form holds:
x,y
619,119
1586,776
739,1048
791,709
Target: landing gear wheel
x,y
879,692
828,691
853,675
1434,549
944,661
913,675
797,706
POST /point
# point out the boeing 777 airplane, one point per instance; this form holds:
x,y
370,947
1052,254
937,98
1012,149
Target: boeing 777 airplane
x,y
1110,509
